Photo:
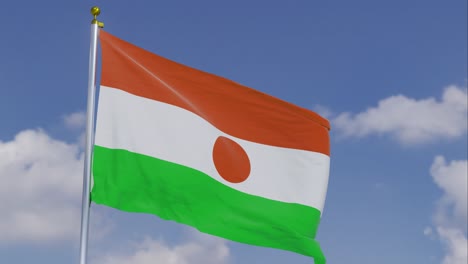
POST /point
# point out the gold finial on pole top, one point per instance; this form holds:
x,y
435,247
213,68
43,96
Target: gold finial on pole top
x,y
95,11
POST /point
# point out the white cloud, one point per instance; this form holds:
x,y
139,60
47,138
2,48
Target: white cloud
x,y
323,111
456,245
452,178
428,232
41,188
409,120
450,217
75,120
200,249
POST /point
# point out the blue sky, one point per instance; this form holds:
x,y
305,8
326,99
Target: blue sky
x,y
390,75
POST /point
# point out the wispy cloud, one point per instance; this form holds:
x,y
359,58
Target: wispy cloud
x,y
198,249
409,120
75,120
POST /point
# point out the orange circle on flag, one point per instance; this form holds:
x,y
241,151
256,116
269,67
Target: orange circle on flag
x,y
231,160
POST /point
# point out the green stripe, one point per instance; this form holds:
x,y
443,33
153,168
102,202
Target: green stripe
x,y
136,183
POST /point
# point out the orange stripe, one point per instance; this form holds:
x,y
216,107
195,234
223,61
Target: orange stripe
x,y
235,109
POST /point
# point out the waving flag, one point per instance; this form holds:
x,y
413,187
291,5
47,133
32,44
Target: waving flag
x,y
202,150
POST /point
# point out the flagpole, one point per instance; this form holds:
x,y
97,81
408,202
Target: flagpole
x,y
86,201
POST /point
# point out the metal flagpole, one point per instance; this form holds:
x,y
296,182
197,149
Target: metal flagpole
x,y
95,25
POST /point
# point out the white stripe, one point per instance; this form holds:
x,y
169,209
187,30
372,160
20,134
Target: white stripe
x,y
167,132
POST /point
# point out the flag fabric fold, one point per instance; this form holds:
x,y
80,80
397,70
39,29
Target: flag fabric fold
x,y
207,152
